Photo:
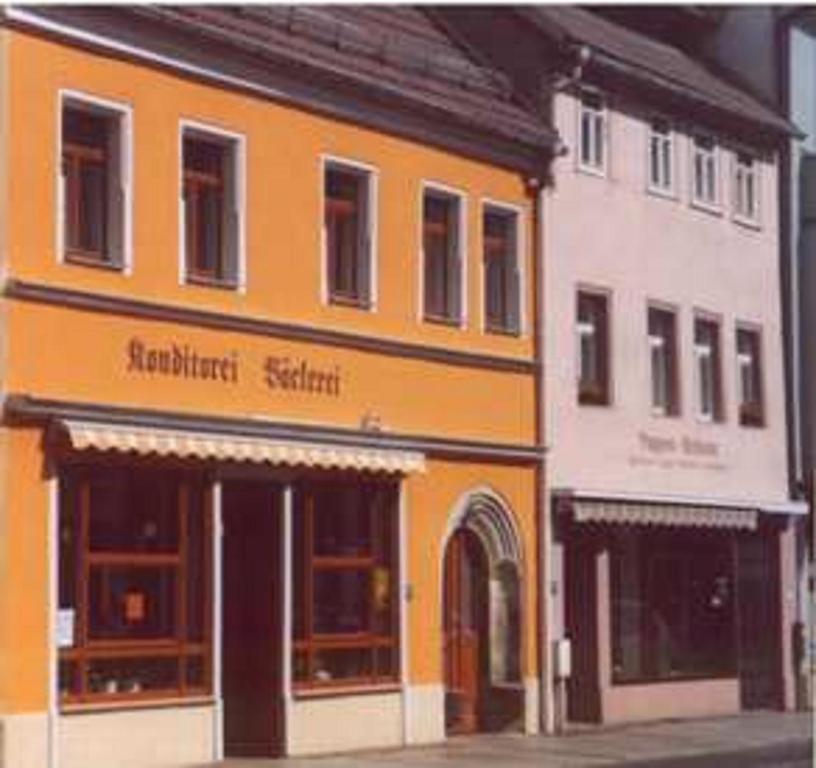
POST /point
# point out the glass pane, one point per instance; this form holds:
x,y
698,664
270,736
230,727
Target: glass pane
x,y
133,511
706,386
197,557
300,668
208,256
196,672
68,542
131,602
385,662
114,676
342,664
342,522
341,601
68,678
92,206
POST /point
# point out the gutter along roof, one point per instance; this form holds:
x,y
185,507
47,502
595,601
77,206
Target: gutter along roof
x,y
635,56
357,62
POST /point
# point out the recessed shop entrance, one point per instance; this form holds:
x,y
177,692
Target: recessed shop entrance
x,y
251,619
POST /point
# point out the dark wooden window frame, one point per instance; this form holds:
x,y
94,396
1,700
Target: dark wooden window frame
x,y
313,641
751,413
196,184
596,392
673,358
79,153
506,248
449,235
178,647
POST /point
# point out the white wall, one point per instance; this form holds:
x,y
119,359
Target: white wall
x,y
611,233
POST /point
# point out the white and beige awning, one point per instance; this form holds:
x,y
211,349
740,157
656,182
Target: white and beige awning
x,y
86,435
641,513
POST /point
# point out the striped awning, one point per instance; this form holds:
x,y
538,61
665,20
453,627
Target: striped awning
x,y
638,513
148,441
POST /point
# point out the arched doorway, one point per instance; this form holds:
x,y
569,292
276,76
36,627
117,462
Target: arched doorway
x,y
481,602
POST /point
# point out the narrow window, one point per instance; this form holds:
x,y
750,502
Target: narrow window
x,y
442,257
93,183
660,156
348,234
501,270
346,611
663,352
211,215
134,584
593,349
751,405
592,125
709,377
705,171
746,202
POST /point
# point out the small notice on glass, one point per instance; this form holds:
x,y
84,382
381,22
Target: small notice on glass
x,y
65,627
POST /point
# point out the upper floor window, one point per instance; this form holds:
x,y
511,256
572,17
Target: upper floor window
x,y
212,233
593,349
749,363
746,199
663,353
709,376
442,254
661,166
348,233
592,129
94,182
704,171
500,238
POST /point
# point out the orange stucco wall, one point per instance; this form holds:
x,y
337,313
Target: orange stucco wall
x,y
24,623
283,146
430,503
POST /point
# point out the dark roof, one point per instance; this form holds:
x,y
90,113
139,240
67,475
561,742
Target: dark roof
x,y
658,62
389,51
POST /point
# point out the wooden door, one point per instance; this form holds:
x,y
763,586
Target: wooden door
x,y
465,631
759,620
251,661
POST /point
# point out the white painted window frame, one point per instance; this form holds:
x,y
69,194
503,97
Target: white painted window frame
x,y
600,131
236,142
714,155
521,213
662,190
461,196
124,113
740,172
372,176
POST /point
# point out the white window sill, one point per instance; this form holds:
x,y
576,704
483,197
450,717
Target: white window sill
x,y
591,170
745,221
667,193
713,209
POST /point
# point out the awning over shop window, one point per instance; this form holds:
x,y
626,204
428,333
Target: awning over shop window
x,y
85,435
599,511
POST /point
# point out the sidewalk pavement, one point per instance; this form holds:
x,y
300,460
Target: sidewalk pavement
x,y
734,738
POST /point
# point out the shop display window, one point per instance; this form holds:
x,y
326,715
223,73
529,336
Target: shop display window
x,y
345,584
672,600
134,584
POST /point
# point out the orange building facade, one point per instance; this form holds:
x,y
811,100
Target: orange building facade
x,y
270,466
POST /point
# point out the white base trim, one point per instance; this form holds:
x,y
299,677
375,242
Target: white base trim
x,y
24,740
426,713
531,704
